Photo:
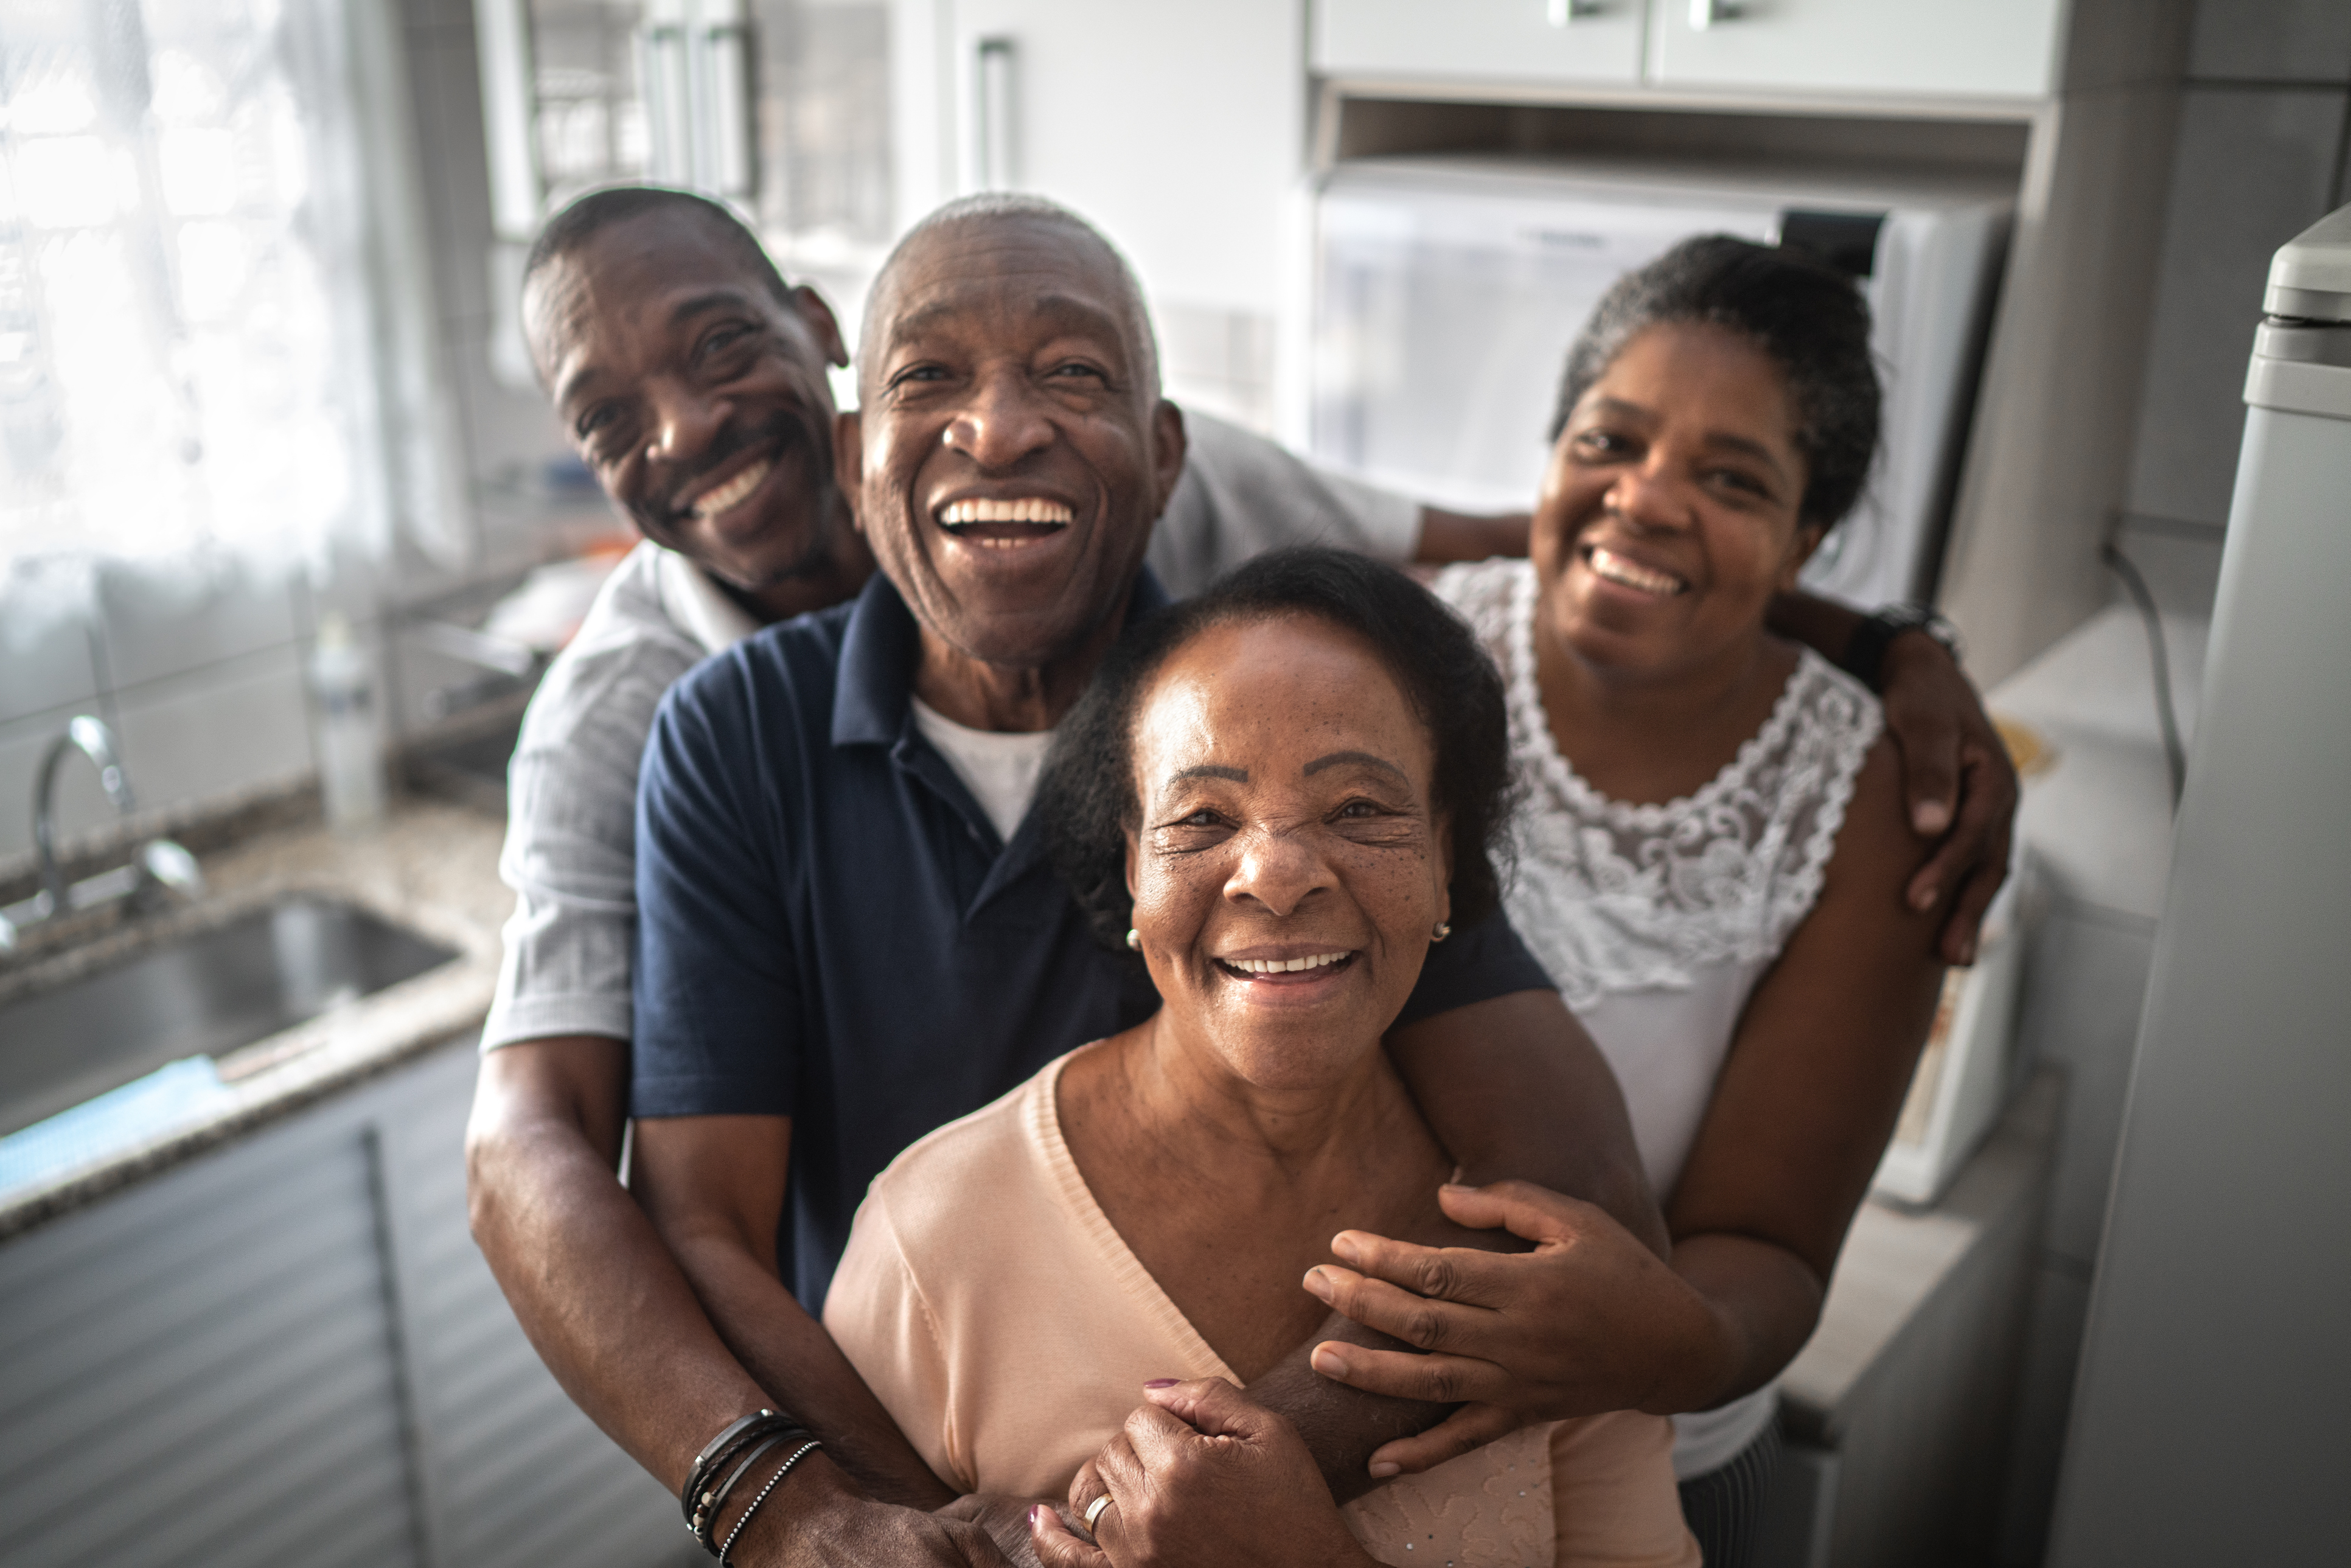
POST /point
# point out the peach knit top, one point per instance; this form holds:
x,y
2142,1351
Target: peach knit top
x,y
1008,1329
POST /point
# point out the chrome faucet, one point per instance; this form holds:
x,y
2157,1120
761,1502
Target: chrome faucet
x,y
160,865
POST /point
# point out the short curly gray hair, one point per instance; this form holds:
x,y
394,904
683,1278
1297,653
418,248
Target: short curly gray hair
x,y
1015,205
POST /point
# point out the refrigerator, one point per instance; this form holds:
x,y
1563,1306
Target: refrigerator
x,y
1447,290
2209,1418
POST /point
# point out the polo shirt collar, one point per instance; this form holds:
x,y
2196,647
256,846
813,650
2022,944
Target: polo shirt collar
x,y
878,652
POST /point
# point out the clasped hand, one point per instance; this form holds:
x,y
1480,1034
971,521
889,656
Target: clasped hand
x,y
1588,1321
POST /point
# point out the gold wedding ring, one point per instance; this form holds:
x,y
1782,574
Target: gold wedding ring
x,y
1094,1511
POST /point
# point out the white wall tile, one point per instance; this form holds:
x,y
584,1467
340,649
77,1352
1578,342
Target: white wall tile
x,y
218,729
165,618
45,632
2272,41
2254,168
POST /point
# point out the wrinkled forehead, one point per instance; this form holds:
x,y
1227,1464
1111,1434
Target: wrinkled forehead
x,y
1275,685
991,280
651,271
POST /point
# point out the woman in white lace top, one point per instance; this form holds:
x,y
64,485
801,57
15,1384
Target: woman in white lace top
x,y
1710,843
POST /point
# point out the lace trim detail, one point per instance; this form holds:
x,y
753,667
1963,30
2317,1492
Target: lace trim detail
x,y
1617,896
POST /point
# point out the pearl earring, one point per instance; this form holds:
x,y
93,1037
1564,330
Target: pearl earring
x,y
1444,929
1134,939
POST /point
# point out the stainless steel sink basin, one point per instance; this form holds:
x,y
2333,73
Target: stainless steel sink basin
x,y
204,994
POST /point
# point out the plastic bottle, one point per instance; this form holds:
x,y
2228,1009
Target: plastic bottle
x,y
351,747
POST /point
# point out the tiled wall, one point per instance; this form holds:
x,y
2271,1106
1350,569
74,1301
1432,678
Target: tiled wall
x,y
196,664
2264,129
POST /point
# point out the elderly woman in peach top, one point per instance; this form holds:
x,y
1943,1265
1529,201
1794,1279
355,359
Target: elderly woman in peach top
x,y
1278,795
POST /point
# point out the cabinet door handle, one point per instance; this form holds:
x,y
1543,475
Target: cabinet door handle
x,y
994,165
1560,12
1705,14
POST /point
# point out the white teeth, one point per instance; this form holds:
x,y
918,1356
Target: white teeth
x,y
1283,966
731,494
1616,568
1021,510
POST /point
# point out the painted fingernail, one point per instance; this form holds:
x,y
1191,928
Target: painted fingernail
x,y
1035,1515
1161,1383
1382,1469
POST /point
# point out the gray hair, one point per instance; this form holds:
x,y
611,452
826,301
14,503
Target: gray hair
x,y
989,205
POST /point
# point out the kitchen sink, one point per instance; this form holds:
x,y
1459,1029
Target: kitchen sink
x,y
203,995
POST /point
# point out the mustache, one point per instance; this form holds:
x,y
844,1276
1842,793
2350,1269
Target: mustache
x,y
780,430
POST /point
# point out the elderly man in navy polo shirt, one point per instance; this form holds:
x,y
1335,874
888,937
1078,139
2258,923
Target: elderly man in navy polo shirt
x,y
849,934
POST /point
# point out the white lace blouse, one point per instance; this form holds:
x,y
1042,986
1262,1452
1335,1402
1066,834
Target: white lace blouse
x,y
1656,921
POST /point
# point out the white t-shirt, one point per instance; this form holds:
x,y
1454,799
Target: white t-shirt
x,y
570,848
1000,769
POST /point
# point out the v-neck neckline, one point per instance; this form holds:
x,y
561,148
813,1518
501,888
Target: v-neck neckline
x,y
1044,1115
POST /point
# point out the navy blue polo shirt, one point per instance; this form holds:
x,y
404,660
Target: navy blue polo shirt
x,y
831,929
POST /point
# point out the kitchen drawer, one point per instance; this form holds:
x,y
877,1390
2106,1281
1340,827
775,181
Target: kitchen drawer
x,y
2003,48
1581,41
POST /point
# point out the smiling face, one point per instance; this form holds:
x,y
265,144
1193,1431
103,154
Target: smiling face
x,y
696,396
1289,867
1012,450
1669,515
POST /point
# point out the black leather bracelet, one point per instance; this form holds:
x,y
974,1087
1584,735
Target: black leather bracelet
x,y
705,1518
1864,653
728,1445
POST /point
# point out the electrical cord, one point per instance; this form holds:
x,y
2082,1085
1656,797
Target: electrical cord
x,y
2174,755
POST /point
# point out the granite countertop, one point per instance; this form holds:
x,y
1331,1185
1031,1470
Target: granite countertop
x,y
429,867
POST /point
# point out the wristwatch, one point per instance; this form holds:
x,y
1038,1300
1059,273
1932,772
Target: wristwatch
x,y
1864,655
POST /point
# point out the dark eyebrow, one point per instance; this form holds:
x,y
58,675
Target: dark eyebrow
x,y
683,311
1336,758
1754,449
1209,771
1746,445
1068,312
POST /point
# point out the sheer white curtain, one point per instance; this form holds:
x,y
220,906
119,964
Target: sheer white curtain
x,y
202,345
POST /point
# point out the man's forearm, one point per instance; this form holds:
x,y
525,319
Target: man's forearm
x,y
1821,624
601,1298
790,1352
1514,1088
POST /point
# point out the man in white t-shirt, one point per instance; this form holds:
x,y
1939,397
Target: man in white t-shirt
x,y
719,449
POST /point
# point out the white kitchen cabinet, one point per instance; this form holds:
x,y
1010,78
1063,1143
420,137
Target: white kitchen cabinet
x,y
288,1351
1583,41
2000,49
1178,130
2005,49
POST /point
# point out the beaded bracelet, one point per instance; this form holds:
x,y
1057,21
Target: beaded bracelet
x,y
782,1471
706,1517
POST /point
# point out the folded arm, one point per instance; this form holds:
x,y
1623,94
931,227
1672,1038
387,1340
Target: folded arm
x,y
1513,1086
1799,1118
617,1320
